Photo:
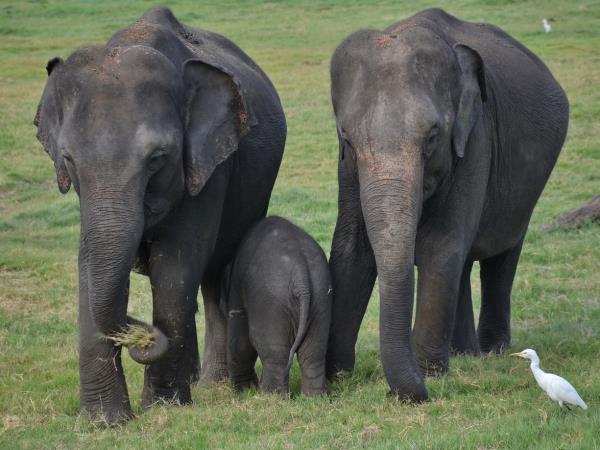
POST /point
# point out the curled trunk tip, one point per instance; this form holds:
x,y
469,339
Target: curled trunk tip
x,y
146,343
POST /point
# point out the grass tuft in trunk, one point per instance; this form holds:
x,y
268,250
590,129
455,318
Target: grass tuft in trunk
x,y
132,336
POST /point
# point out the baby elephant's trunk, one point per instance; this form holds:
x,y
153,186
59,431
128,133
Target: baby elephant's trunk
x,y
303,296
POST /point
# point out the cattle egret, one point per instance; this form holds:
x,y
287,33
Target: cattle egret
x,y
547,27
557,388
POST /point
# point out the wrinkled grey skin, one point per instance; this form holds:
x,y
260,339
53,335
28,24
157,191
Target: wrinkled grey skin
x,y
448,131
172,138
278,298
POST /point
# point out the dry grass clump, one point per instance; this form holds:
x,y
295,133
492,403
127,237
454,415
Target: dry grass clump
x,y
132,336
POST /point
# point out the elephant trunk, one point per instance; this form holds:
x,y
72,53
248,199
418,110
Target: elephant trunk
x,y
111,231
152,353
391,208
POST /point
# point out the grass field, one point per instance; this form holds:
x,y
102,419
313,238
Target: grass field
x,y
491,402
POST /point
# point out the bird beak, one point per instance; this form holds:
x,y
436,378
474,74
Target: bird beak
x,y
520,354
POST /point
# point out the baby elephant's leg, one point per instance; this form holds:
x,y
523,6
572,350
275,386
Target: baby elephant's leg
x,y
275,376
270,334
241,354
311,356
313,350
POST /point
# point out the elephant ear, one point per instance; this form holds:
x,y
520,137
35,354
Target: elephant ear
x,y
218,117
473,93
47,120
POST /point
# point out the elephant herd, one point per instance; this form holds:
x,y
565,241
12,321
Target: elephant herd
x,y
172,138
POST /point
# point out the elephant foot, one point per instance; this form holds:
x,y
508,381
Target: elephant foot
x,y
275,377
213,373
433,368
242,383
195,377
339,366
491,342
465,344
462,348
495,347
103,390
336,374
108,412
241,386
153,395
164,388
316,388
405,380
413,392
432,365
433,360
112,417
274,388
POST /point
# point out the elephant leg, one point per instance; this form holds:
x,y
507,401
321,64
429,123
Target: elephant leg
x,y
497,276
353,273
192,354
312,370
214,365
464,339
241,355
103,390
437,296
174,293
273,347
275,376
180,251
311,357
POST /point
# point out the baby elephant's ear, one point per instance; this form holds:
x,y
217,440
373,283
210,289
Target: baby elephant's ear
x,y
218,117
47,120
473,93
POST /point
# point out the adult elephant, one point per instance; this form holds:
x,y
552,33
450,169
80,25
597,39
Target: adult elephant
x,y
172,138
448,131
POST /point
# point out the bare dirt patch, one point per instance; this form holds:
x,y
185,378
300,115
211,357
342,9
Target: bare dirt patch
x,y
18,295
9,422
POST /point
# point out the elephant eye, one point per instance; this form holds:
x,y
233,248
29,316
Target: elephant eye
x,y
157,160
345,144
431,141
66,156
70,164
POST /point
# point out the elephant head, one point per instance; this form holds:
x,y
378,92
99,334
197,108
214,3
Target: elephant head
x,y
405,105
132,132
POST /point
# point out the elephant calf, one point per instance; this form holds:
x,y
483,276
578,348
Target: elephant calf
x,y
278,299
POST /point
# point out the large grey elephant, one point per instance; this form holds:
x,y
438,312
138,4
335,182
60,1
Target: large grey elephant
x,y
448,131
172,138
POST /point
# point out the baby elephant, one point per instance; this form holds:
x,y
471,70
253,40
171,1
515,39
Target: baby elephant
x,y
278,298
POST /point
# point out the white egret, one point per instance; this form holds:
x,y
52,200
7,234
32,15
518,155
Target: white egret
x,y
547,27
557,388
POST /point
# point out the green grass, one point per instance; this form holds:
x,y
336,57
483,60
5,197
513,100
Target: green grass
x,y
491,402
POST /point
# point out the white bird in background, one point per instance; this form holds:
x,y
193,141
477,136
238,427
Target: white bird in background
x,y
547,27
557,388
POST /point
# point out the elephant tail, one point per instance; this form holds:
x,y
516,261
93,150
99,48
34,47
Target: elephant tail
x,y
302,295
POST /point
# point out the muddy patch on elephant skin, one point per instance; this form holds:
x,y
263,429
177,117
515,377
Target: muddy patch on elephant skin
x,y
385,40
